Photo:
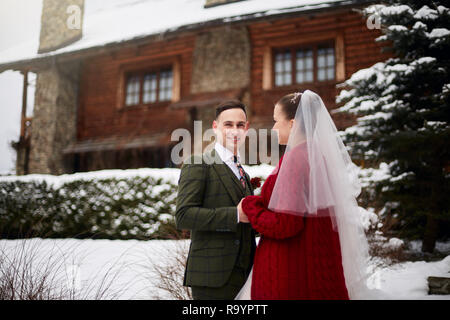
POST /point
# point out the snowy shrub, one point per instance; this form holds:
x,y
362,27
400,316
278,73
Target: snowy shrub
x,y
120,208
112,204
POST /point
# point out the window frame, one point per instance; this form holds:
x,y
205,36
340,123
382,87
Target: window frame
x,y
141,69
293,51
268,58
141,74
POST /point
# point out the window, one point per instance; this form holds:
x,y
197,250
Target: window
x,y
165,88
283,69
325,64
149,87
133,85
297,65
304,65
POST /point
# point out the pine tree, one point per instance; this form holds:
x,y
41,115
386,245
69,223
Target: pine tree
x,y
403,110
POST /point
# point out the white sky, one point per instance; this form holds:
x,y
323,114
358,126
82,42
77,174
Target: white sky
x,y
19,22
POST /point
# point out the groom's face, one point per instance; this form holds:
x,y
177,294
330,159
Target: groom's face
x,y
231,127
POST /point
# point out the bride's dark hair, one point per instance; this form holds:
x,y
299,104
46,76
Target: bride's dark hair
x,y
289,104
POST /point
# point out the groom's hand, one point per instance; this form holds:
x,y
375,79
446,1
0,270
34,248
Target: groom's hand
x,y
242,216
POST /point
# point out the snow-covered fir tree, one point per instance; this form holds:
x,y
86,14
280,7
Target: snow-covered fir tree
x,y
403,110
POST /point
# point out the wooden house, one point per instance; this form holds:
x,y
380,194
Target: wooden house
x,y
110,93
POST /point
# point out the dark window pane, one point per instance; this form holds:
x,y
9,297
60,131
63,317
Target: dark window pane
x,y
278,80
149,88
321,74
283,69
309,63
321,61
278,66
325,64
132,94
165,85
330,73
304,65
287,65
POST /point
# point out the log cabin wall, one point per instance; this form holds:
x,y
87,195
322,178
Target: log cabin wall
x,y
346,28
101,117
102,114
104,117
101,111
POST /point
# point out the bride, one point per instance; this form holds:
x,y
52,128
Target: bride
x,y
312,244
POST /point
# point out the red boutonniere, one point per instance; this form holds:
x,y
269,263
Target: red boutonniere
x,y
255,182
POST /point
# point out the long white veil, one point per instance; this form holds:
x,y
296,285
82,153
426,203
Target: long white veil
x,y
319,182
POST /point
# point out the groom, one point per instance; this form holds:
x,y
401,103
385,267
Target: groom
x,y
209,190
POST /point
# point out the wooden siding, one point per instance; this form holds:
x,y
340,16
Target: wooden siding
x,y
100,115
349,30
100,112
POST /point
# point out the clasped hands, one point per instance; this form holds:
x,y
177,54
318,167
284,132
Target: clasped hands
x,y
242,216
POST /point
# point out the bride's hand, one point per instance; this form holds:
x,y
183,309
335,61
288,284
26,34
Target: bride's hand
x,y
242,216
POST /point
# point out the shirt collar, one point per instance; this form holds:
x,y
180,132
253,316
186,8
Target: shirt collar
x,y
225,154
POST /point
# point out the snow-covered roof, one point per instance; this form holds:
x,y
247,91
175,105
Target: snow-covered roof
x,y
115,21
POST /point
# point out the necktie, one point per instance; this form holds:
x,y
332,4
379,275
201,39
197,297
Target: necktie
x,y
241,171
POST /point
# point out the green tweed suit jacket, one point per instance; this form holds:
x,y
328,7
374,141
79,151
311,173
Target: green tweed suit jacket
x,y
208,194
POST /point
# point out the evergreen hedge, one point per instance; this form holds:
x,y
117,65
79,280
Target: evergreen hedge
x,y
125,208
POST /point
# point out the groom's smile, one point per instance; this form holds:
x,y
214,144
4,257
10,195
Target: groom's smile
x,y
231,127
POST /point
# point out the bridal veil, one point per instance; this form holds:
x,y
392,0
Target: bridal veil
x,y
323,181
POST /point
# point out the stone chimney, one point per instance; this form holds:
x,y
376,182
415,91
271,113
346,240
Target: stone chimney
x,y
213,3
61,24
53,126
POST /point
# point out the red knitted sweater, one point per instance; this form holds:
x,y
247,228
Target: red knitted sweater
x,y
297,257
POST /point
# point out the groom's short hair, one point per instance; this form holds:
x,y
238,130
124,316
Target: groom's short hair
x,y
230,104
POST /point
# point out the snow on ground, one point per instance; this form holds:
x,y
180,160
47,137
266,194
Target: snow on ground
x,y
408,280
167,174
123,266
128,264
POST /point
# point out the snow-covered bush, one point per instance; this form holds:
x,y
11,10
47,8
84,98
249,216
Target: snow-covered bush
x,y
126,207
113,204
403,108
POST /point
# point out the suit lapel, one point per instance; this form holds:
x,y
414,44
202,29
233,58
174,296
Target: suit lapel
x,y
226,176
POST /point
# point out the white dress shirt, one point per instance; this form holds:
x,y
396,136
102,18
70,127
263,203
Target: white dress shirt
x,y
227,157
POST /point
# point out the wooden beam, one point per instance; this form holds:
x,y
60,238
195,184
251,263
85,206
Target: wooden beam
x,y
24,104
176,84
267,69
340,57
